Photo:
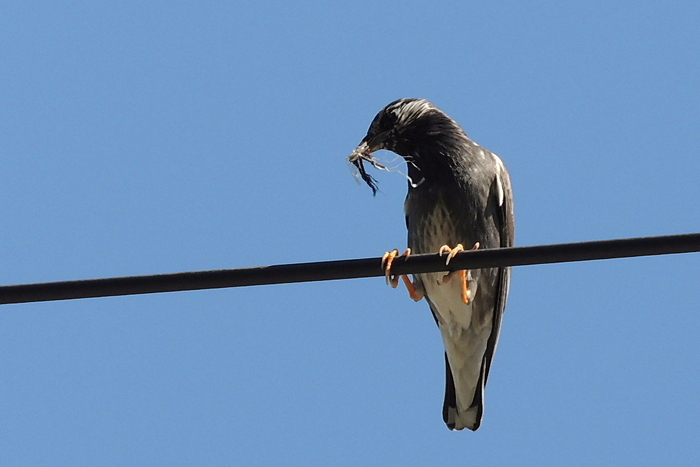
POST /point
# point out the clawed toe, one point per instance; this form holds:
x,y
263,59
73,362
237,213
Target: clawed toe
x,y
387,260
463,274
393,280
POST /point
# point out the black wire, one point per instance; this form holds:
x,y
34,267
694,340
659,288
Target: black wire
x,y
349,269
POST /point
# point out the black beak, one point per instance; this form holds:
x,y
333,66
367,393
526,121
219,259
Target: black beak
x,y
374,143
367,178
363,153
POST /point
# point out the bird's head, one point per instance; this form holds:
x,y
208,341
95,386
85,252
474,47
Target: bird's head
x,y
412,128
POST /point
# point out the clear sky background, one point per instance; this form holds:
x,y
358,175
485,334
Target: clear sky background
x,y
152,137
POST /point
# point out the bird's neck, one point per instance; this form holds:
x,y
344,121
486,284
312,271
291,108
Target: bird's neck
x,y
434,165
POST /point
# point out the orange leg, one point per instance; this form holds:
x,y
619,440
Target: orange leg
x,y
393,280
462,274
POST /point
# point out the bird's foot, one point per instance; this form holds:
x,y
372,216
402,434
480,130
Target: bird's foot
x,y
463,274
393,280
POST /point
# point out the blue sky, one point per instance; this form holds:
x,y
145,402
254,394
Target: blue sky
x,y
140,138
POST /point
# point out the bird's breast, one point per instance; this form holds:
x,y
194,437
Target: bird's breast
x,y
431,225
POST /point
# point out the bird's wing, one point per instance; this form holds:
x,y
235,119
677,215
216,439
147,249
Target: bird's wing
x,y
500,206
505,223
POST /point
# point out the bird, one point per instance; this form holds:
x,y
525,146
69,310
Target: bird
x,y
459,198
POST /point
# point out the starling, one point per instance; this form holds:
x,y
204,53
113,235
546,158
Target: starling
x,y
459,196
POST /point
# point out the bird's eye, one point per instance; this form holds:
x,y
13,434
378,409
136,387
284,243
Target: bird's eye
x,y
388,121
382,123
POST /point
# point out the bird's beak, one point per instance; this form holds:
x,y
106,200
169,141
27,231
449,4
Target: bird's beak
x,y
375,143
367,147
363,153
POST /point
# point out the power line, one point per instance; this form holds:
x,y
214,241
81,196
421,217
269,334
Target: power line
x,y
349,269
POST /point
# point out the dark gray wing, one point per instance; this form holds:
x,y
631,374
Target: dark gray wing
x,y
501,195
505,221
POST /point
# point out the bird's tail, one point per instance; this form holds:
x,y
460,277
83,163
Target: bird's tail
x,y
469,418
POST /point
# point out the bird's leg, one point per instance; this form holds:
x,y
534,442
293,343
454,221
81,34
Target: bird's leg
x,y
393,280
463,274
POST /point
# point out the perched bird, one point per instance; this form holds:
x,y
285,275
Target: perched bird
x,y
459,196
